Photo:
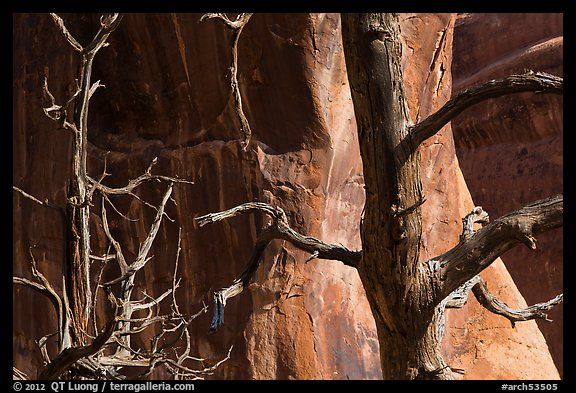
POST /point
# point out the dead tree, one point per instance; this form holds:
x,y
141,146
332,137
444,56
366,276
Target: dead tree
x,y
107,353
407,296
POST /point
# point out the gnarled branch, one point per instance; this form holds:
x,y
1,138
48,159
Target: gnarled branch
x,y
529,82
278,229
142,259
492,304
69,356
133,183
236,27
478,251
478,286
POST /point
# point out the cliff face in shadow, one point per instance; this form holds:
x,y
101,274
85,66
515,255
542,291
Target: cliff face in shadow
x,y
167,95
511,150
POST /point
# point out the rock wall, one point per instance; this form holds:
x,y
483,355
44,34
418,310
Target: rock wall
x,y
511,149
167,96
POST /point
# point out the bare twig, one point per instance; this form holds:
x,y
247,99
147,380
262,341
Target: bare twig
x,y
236,26
71,40
185,372
96,85
276,212
33,198
142,258
108,24
132,184
137,305
105,197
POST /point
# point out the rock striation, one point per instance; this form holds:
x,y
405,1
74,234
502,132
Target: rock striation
x,y
167,95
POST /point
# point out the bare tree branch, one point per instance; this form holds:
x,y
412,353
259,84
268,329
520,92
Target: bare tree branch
x,y
281,230
278,229
236,27
132,184
108,24
459,297
46,203
142,259
69,356
71,40
477,252
185,372
477,285
492,304
539,82
42,345
138,305
18,375
60,306
95,86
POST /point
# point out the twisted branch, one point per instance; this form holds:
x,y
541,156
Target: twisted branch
x,y
468,258
459,296
278,229
236,26
538,82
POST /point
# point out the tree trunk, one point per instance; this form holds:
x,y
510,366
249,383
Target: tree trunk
x,y
400,295
78,266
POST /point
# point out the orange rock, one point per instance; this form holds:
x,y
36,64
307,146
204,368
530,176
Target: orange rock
x,y
167,95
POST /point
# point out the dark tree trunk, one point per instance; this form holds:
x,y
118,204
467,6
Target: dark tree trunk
x,y
400,296
407,296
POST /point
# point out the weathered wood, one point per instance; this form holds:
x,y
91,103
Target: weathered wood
x,y
468,258
278,229
76,358
69,356
539,82
77,271
391,228
236,26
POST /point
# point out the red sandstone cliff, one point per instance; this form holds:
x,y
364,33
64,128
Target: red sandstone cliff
x,y
511,150
167,95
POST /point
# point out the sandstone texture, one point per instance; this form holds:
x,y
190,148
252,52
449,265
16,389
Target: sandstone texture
x,y
511,149
167,95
